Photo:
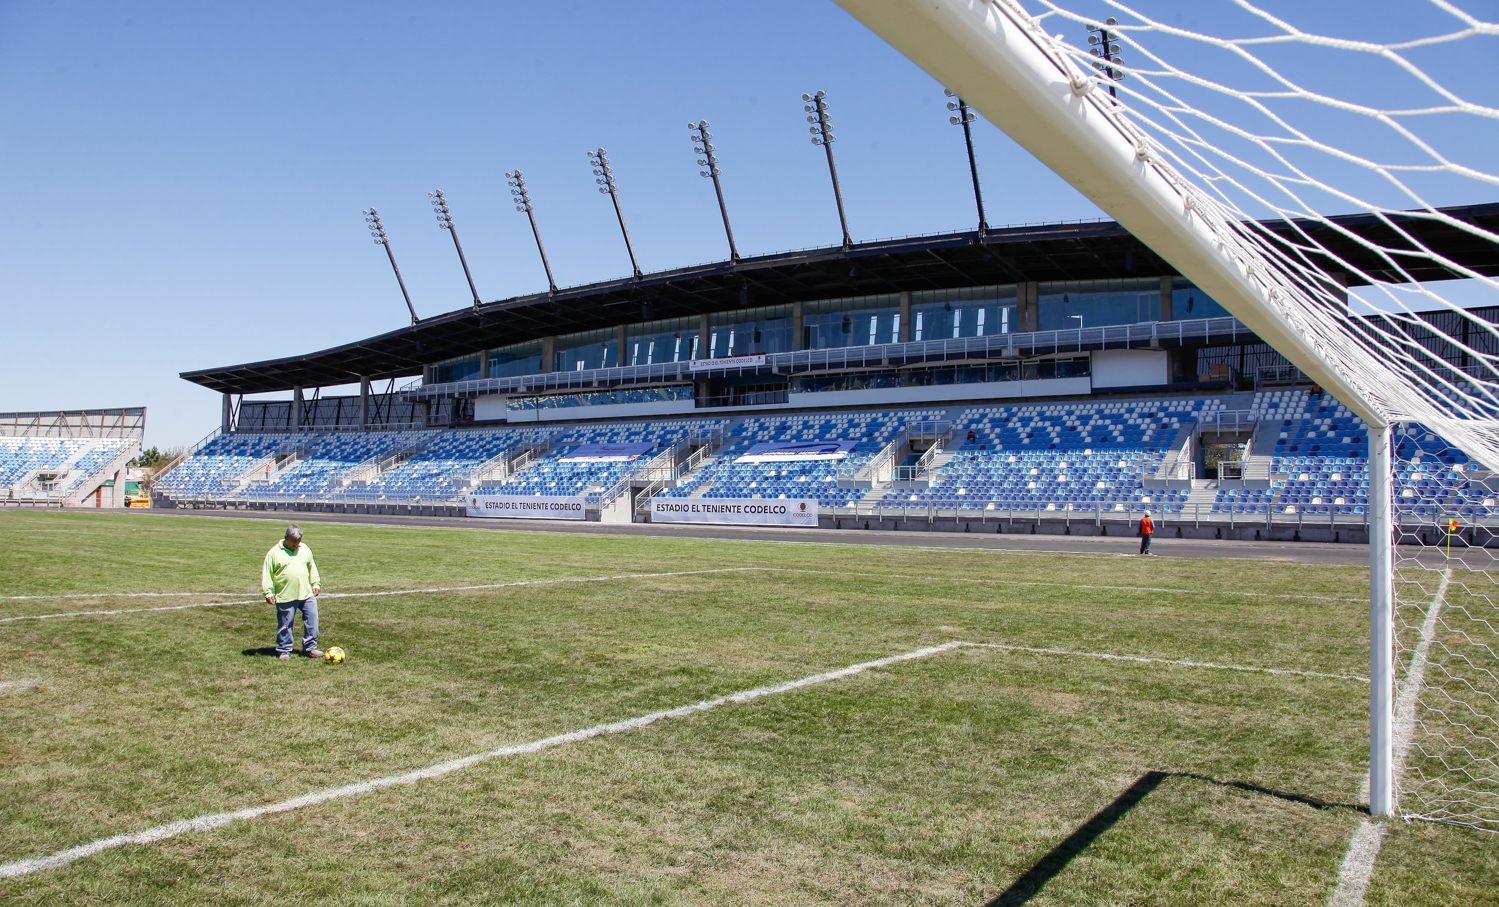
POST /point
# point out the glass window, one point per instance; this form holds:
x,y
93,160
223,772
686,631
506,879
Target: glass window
x,y
590,349
748,331
966,312
856,321
519,359
463,369
671,340
1094,303
1189,302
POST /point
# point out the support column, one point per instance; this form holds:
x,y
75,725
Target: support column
x,y
364,402
549,354
905,317
1381,626
1167,286
1028,305
798,316
704,332
484,363
226,414
621,337
296,409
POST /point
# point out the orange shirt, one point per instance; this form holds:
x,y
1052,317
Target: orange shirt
x,y
1147,526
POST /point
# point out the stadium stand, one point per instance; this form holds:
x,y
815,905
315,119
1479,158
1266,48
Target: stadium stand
x,y
554,474
68,458
729,477
1090,457
1066,456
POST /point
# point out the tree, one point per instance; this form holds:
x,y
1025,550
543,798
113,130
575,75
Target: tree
x,y
149,459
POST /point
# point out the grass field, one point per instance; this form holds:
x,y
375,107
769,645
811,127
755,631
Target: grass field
x,y
973,775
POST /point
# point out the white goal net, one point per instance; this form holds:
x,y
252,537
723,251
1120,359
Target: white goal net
x,y
1327,172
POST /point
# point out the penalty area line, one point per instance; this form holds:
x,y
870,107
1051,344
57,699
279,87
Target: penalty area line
x,y
439,769
14,686
1178,662
560,580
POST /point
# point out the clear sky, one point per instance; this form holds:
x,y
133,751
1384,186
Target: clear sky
x,y
181,182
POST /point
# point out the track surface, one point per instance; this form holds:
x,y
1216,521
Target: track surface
x,y
1165,546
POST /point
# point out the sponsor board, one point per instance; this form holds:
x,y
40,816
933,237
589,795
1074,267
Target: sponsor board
x,y
606,453
525,507
744,511
708,365
796,451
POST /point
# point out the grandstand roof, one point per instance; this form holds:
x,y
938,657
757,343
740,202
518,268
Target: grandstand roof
x,y
1053,252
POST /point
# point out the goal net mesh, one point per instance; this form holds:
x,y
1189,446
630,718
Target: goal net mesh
x,y
1276,121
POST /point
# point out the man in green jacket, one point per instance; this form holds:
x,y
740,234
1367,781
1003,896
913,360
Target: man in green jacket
x,y
289,580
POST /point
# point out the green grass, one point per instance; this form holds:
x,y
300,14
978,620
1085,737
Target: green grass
x,y
942,780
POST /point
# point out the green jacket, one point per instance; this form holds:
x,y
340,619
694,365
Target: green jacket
x,y
289,575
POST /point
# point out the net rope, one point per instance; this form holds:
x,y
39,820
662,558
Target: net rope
x,y
1270,129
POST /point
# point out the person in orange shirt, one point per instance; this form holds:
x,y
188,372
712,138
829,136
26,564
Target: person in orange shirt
x,y
1147,529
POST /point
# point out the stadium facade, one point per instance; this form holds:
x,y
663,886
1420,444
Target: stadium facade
x,y
1042,377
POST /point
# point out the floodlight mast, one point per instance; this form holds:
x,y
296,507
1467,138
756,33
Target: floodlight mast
x,y
1107,52
964,117
377,230
702,143
445,222
603,175
816,107
517,183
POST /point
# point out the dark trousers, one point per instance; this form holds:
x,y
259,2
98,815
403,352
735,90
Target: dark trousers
x,y
1144,544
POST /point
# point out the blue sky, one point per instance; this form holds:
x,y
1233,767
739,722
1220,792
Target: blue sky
x,y
182,182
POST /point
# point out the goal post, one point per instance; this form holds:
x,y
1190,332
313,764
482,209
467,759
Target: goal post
x,y
1232,221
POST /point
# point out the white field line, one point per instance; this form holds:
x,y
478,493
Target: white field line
x,y
25,683
439,769
1181,663
254,601
1017,582
1363,850
68,596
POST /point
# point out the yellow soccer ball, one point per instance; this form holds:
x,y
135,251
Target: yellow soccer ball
x,y
334,655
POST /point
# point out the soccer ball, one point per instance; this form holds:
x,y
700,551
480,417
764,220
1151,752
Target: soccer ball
x,y
334,655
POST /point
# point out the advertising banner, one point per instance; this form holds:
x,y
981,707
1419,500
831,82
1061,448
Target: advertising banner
x,y
743,511
708,365
524,507
796,451
606,453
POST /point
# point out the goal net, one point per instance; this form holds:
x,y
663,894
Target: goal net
x,y
1326,173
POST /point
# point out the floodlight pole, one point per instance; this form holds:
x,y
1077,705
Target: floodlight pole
x,y
377,230
1381,624
604,176
702,143
445,222
517,182
1107,53
964,117
816,107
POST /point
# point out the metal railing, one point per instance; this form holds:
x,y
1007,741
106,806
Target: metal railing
x,y
1032,344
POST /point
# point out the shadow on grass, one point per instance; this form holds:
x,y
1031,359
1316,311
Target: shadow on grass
x,y
1045,869
262,651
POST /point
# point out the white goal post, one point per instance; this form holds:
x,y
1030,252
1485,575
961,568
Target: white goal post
x,y
1144,155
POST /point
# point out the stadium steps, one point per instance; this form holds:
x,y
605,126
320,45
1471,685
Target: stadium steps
x,y
1258,456
1200,499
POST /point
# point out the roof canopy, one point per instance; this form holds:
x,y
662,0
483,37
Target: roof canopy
x,y
1056,252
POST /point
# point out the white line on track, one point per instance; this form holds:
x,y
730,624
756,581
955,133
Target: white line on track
x,y
253,601
1358,863
439,769
1181,663
25,683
